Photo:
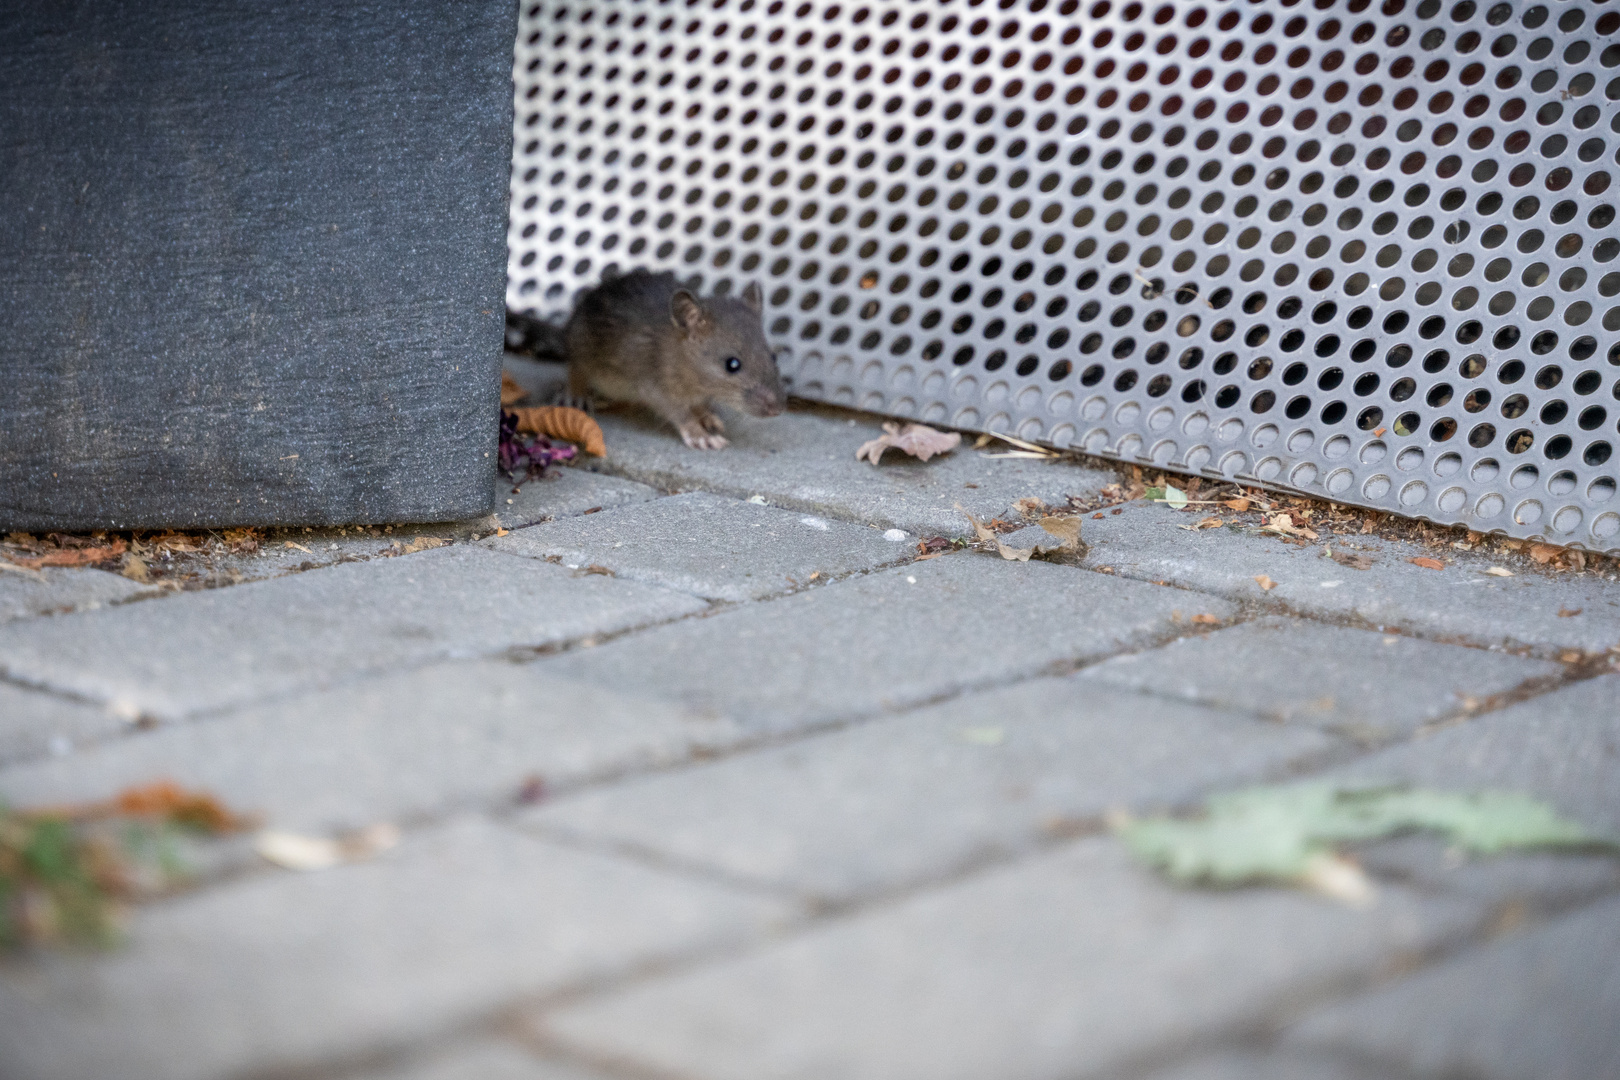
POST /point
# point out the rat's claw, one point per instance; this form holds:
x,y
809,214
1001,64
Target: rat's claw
x,y
585,403
699,440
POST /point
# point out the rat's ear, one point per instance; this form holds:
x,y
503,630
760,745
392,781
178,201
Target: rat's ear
x,y
686,313
754,298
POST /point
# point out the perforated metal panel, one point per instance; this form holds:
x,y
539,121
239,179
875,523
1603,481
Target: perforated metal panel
x,y
1361,250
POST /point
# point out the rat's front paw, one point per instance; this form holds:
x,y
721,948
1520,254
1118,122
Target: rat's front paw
x,y
698,439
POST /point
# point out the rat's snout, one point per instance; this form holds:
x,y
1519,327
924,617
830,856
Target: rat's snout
x,y
766,401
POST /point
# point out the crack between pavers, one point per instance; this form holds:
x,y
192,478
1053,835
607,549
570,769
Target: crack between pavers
x,y
1239,1041
1353,621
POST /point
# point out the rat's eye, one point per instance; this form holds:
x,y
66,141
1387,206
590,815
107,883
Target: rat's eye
x,y
733,365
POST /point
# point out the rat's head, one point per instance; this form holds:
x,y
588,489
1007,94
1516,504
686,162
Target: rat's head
x,y
723,339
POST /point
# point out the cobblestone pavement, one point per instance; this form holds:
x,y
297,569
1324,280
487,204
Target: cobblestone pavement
x,y
812,809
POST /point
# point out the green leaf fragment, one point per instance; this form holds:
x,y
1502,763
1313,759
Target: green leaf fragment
x,y
1275,833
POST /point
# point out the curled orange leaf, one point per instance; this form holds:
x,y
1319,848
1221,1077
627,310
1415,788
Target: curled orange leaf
x,y
562,422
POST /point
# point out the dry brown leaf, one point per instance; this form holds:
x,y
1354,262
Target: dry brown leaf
x,y
1209,523
298,547
421,543
1066,529
1207,620
1029,506
135,569
562,422
1544,553
177,542
1427,563
1354,562
25,572
293,851
597,568
919,440
989,535
1283,524
85,556
1240,505
1569,613
512,391
1265,582
161,799
241,541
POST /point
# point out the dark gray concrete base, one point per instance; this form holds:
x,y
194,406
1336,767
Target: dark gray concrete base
x,y
252,261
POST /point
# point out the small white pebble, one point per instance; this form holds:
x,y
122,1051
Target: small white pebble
x,y
897,535
1391,640
757,500
1331,584
814,523
911,579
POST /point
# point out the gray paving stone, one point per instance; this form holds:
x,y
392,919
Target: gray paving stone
x,y
1516,884
910,798
206,650
1543,1004
1360,683
57,590
561,493
1460,603
805,460
482,1060
399,747
1281,1064
714,547
887,640
1563,747
1059,967
282,970
34,723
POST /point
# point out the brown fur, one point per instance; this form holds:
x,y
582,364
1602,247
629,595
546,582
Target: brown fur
x,y
642,338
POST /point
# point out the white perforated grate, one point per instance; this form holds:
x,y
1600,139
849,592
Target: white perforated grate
x,y
1365,250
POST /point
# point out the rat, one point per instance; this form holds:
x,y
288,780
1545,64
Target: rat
x,y
643,338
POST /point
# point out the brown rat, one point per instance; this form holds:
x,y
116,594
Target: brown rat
x,y
645,339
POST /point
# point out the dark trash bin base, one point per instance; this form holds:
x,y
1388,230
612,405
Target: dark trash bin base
x,y
252,262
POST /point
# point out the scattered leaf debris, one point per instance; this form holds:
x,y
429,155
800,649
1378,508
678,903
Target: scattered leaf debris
x,y
512,391
1265,582
1427,563
296,851
1313,519
532,790
1351,559
526,455
1061,539
68,872
1569,613
412,546
919,440
74,555
1207,620
1288,833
